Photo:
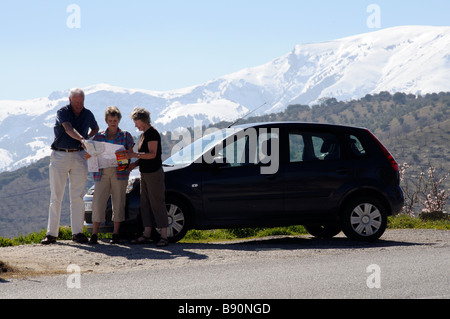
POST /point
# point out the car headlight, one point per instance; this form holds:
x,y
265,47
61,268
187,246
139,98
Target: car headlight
x,y
88,206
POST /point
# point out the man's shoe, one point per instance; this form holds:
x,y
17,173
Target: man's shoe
x,y
93,240
48,240
115,239
80,238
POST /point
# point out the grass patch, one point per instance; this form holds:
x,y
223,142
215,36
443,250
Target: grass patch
x,y
204,236
404,221
65,233
194,236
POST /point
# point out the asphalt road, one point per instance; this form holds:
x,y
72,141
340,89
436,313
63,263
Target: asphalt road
x,y
404,264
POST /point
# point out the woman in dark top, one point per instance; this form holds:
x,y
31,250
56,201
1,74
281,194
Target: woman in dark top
x,y
153,206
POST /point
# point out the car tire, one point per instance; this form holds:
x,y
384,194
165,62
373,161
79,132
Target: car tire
x,y
179,216
323,231
364,219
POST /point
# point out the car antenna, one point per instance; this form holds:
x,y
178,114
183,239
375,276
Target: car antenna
x,y
241,118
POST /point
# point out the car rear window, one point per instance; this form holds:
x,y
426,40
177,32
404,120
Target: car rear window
x,y
356,146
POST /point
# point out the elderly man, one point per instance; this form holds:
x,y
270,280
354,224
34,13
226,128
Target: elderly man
x,y
74,123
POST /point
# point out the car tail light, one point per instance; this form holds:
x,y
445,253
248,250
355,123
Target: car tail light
x,y
388,155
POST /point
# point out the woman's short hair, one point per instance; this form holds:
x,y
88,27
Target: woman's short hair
x,y
113,111
141,114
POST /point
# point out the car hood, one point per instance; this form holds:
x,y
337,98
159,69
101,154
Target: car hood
x,y
171,168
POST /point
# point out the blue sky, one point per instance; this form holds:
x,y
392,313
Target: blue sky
x,y
171,44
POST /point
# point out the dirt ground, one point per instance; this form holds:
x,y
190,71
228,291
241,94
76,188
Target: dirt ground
x,y
38,260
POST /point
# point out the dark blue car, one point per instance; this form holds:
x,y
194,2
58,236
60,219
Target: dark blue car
x,y
328,178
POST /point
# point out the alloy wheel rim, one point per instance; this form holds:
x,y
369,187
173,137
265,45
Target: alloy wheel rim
x,y
176,220
366,219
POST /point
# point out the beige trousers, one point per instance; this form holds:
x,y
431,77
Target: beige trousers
x,y
62,166
108,186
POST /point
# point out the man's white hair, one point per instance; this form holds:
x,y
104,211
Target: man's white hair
x,y
76,92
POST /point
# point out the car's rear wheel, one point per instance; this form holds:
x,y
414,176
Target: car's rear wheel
x,y
323,231
178,214
364,219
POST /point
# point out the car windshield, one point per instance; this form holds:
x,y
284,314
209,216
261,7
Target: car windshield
x,y
194,151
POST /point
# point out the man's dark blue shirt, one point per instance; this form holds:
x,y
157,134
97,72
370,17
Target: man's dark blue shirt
x,y
82,124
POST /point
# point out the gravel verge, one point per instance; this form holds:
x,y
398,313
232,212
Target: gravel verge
x,y
38,260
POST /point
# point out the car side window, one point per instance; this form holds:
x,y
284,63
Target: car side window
x,y
356,146
326,147
236,151
251,148
296,147
307,146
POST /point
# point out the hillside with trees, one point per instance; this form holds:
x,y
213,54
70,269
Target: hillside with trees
x,y
416,129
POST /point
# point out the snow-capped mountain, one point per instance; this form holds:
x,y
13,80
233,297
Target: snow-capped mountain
x,y
410,59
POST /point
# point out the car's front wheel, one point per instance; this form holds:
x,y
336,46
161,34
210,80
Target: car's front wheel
x,y
178,214
364,219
